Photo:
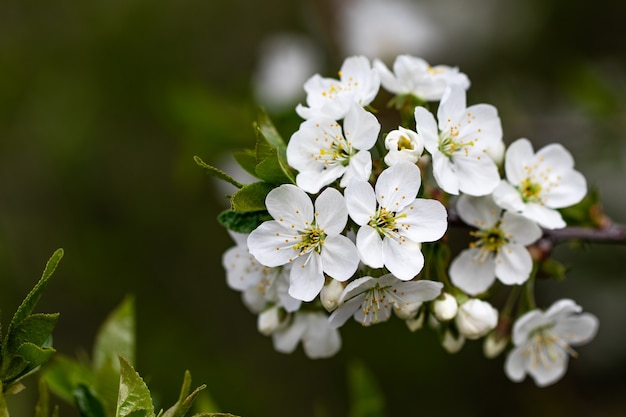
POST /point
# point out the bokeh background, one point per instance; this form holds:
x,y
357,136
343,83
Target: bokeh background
x,y
104,104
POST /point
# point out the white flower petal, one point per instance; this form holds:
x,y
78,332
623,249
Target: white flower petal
x,y
444,172
361,128
470,273
578,329
425,221
571,188
516,364
544,216
346,310
359,168
551,369
507,197
357,287
513,264
476,176
340,258
397,186
331,213
452,106
319,339
480,212
242,269
289,205
518,155
286,341
525,324
404,260
481,126
306,278
272,245
313,181
370,247
522,230
426,127
360,201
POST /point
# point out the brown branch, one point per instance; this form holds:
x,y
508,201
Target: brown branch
x,y
610,232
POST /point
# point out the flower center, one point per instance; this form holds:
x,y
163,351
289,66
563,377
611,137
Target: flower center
x,y
489,241
405,143
530,191
384,222
546,347
311,239
339,152
448,145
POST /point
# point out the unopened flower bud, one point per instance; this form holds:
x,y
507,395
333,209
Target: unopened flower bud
x,y
476,318
269,320
330,294
403,145
452,343
416,323
445,307
494,345
496,152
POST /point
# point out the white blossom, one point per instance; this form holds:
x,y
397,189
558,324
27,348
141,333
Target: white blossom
x,y
539,183
393,221
309,240
403,145
476,318
323,151
543,341
459,143
358,83
318,339
414,76
499,249
331,294
371,300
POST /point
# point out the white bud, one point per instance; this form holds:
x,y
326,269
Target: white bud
x,y
476,318
452,344
330,294
269,321
494,345
403,145
445,307
415,324
496,152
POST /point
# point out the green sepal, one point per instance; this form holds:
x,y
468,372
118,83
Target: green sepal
x,y
134,398
217,173
242,222
251,197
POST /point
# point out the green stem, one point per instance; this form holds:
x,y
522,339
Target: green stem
x,y
531,304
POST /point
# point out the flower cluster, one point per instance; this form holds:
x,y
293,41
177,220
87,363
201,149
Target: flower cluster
x,y
347,221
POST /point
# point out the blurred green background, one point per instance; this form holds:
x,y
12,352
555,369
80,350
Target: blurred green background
x,y
103,105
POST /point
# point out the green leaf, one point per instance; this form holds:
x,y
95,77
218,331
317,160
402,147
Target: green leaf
x,y
88,403
251,197
185,400
247,160
64,374
242,222
35,329
273,170
134,398
216,172
271,138
29,303
116,337
366,399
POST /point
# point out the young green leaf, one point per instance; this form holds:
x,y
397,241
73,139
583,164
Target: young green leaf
x,y
271,138
185,400
247,160
116,337
88,404
251,197
134,398
217,173
242,222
